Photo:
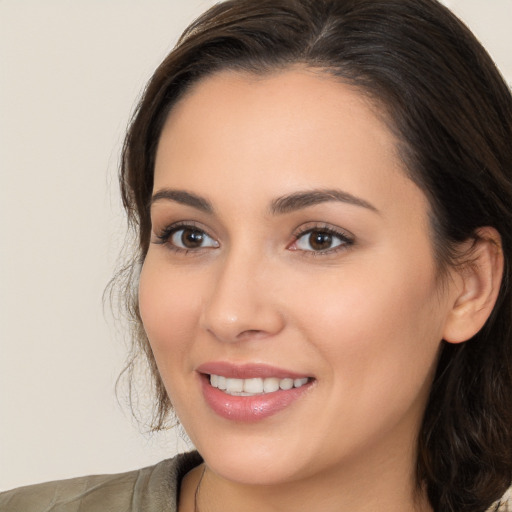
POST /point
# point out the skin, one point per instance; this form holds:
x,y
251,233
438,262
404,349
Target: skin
x,y
364,319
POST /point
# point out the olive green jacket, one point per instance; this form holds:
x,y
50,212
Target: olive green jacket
x,y
151,489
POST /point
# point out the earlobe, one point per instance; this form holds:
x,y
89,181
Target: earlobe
x,y
478,284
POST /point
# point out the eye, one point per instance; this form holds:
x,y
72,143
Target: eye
x,y
186,238
320,240
191,238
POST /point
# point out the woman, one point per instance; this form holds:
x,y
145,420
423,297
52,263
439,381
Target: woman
x,y
321,195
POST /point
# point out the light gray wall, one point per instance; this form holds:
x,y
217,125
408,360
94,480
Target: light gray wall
x,y
69,76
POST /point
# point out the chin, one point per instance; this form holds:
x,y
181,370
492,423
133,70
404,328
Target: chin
x,y
252,466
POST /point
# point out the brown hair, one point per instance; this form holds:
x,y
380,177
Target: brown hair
x,y
452,113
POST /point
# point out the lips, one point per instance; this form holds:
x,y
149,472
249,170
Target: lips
x,y
248,371
250,393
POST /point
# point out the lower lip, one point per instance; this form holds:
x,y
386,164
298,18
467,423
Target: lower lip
x,y
248,409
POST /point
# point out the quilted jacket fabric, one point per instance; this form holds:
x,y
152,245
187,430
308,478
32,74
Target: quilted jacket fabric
x,y
151,489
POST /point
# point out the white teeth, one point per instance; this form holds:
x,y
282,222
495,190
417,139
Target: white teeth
x,y
287,383
255,386
221,382
252,385
270,385
234,385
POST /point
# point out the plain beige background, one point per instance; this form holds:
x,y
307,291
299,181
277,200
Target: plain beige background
x,y
70,73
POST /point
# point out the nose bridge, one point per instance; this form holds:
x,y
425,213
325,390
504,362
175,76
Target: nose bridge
x,y
240,303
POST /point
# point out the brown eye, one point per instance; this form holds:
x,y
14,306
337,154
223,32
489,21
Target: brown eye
x,y
320,240
191,238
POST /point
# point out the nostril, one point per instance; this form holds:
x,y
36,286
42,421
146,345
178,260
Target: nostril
x,y
252,333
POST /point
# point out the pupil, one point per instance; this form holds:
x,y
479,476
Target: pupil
x,y
320,241
192,238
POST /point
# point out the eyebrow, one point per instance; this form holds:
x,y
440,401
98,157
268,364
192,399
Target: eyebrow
x,y
281,205
305,199
183,197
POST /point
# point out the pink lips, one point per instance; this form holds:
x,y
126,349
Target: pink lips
x,y
248,408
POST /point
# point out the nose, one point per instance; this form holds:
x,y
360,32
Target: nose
x,y
241,302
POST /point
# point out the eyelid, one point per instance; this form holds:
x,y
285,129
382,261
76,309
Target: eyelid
x,y
165,234
347,238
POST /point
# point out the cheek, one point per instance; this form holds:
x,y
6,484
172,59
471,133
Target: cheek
x,y
379,332
168,309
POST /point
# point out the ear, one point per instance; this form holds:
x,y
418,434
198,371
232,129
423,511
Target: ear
x,y
477,284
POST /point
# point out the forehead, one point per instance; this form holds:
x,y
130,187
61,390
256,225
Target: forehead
x,y
298,99
272,134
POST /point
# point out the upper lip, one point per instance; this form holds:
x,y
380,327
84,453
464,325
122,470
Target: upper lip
x,y
247,370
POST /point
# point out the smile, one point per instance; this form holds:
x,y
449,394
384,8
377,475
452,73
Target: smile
x,y
254,386
251,392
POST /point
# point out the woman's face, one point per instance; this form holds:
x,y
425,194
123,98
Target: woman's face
x,y
289,250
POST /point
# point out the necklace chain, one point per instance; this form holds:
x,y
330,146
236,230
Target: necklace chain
x,y
196,494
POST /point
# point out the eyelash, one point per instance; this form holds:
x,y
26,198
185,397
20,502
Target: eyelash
x,y
346,240
163,238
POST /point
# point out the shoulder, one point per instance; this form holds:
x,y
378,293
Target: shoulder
x,y
504,504
152,489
